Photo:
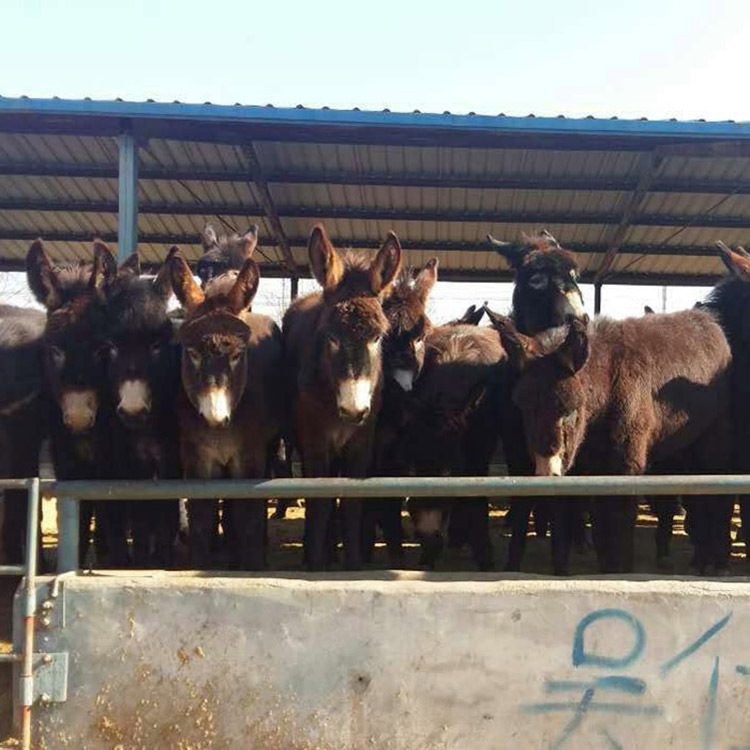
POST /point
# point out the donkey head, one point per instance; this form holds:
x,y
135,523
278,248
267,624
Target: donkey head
x,y
214,337
137,341
353,323
546,289
549,392
74,298
226,252
403,346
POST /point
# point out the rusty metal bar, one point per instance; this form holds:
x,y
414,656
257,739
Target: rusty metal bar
x,y
29,613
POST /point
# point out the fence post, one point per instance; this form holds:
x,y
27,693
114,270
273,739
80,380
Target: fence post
x,y
69,529
29,612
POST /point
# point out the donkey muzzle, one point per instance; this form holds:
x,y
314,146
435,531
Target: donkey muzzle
x,y
78,409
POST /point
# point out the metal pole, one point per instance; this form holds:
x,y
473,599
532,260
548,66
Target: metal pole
x,y
146,490
29,612
69,529
294,287
597,298
127,229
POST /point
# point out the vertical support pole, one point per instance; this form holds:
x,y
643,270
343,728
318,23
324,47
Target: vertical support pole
x,y
664,298
127,229
294,287
69,530
29,612
597,298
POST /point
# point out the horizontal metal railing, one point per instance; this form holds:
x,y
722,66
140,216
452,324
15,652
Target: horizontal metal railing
x,y
399,487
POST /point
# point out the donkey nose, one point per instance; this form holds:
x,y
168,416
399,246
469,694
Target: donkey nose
x,y
354,416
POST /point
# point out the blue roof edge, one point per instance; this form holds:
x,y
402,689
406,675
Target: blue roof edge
x,y
269,115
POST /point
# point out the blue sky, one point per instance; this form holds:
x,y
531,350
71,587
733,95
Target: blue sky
x,y
657,58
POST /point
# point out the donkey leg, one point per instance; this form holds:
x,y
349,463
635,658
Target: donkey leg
x,y
562,536
250,538
318,523
478,529
520,511
351,517
665,511
393,532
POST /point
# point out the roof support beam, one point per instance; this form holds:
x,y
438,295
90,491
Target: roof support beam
x,y
615,183
649,165
416,245
127,226
619,222
266,200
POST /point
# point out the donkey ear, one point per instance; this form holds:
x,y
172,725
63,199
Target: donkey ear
x,y
163,282
426,279
249,241
737,263
189,294
548,236
520,348
387,264
208,237
476,314
325,263
242,294
513,252
131,266
573,353
105,266
40,276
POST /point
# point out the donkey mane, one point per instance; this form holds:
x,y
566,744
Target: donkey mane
x,y
729,301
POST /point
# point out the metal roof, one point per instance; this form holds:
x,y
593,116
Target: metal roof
x,y
640,201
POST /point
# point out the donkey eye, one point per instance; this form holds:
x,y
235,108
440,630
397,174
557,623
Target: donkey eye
x,y
574,274
195,357
333,344
234,359
155,350
538,281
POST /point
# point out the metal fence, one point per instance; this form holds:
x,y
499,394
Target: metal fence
x,y
70,493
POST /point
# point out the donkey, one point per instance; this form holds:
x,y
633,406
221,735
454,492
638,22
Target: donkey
x,y
546,294
403,357
22,415
143,376
225,252
730,302
471,317
452,428
334,362
617,395
230,408
79,420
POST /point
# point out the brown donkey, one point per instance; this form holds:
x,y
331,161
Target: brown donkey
x,y
616,396
403,357
333,349
230,405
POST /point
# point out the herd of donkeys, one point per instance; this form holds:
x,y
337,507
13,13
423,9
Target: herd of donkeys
x,y
359,382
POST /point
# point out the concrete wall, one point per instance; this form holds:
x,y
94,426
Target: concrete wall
x,y
413,663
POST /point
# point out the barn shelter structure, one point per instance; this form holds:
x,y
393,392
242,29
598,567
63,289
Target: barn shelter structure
x,y
382,659
641,202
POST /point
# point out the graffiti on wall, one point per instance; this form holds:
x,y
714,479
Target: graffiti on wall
x,y
592,703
